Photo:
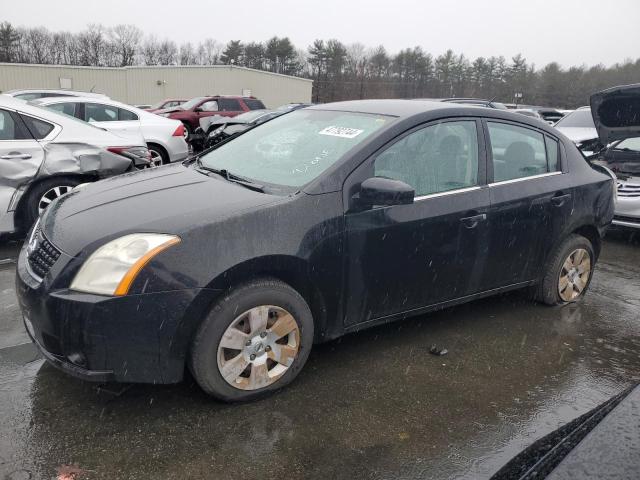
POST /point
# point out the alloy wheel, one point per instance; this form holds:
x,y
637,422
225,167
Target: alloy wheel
x,y
50,195
574,275
258,347
156,158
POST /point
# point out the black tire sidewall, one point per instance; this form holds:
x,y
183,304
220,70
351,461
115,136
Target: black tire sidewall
x,y
550,293
203,361
31,212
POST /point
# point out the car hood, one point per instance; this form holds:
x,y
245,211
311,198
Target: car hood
x,y
616,113
172,199
579,134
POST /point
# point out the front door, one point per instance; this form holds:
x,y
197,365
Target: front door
x,y
404,257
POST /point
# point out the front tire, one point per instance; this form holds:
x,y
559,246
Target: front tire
x,y
255,340
568,272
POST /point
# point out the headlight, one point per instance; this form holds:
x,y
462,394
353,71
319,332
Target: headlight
x,y
112,268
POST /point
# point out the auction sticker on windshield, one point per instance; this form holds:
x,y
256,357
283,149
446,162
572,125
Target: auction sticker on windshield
x,y
343,132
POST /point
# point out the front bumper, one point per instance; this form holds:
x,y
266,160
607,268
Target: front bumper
x,y
627,212
136,338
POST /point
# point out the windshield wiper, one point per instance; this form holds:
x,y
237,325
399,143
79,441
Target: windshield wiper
x,y
230,177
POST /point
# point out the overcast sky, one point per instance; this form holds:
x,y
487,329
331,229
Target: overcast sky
x,y
572,32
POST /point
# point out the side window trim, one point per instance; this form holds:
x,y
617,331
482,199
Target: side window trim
x,y
52,133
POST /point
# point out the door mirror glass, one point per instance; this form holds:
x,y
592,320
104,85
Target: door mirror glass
x,y
385,191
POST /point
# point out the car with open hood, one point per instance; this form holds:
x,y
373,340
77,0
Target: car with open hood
x,y
616,117
44,155
320,222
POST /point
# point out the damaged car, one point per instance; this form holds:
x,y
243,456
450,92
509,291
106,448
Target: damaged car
x,y
616,117
579,127
318,223
44,155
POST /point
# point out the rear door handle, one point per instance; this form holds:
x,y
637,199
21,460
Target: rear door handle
x,y
16,156
559,200
472,222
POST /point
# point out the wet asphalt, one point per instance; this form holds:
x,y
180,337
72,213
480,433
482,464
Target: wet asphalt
x,y
375,404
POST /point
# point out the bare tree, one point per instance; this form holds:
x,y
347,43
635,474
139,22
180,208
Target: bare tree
x,y
187,55
126,40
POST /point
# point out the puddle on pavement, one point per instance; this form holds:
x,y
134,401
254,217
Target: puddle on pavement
x,y
375,404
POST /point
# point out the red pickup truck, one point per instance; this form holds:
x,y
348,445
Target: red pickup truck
x,y
189,113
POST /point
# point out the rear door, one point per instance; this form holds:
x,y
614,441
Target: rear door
x,y
531,200
230,107
21,155
404,257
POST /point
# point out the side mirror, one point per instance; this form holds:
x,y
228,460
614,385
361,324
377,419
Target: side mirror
x,y
385,191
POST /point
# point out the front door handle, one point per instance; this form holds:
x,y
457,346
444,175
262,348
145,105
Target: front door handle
x,y
472,222
16,156
559,200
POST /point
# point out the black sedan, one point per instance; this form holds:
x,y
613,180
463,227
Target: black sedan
x,y
317,223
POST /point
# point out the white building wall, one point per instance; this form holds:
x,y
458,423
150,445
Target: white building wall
x,y
138,85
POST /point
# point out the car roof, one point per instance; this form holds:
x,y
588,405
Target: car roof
x,y
74,93
391,107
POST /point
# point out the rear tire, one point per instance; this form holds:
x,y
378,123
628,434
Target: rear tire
x,y
568,272
43,193
159,155
255,340
187,132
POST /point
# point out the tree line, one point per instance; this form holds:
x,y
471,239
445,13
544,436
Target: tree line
x,y
339,71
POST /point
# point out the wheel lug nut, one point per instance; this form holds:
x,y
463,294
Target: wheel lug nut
x,y
248,343
252,357
268,348
263,334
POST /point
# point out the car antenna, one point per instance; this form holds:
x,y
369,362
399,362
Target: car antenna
x,y
91,90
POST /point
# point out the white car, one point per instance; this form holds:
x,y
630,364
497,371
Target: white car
x,y
44,155
33,93
581,130
164,136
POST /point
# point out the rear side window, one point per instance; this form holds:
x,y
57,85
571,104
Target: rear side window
x,y
94,112
29,96
516,152
125,115
210,106
11,129
552,154
254,104
39,128
70,109
229,105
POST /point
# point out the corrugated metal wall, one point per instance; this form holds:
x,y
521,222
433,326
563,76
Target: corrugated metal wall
x,y
137,85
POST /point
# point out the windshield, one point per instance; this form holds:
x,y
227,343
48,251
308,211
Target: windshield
x,y
629,144
192,103
577,119
294,149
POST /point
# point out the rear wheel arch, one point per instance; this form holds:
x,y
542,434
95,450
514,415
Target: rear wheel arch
x,y
161,150
591,233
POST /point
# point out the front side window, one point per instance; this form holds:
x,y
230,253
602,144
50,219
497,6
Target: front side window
x,y
10,129
210,106
433,159
70,109
94,112
294,149
516,152
29,96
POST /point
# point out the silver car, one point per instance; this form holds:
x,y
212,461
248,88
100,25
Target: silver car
x,y
44,155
